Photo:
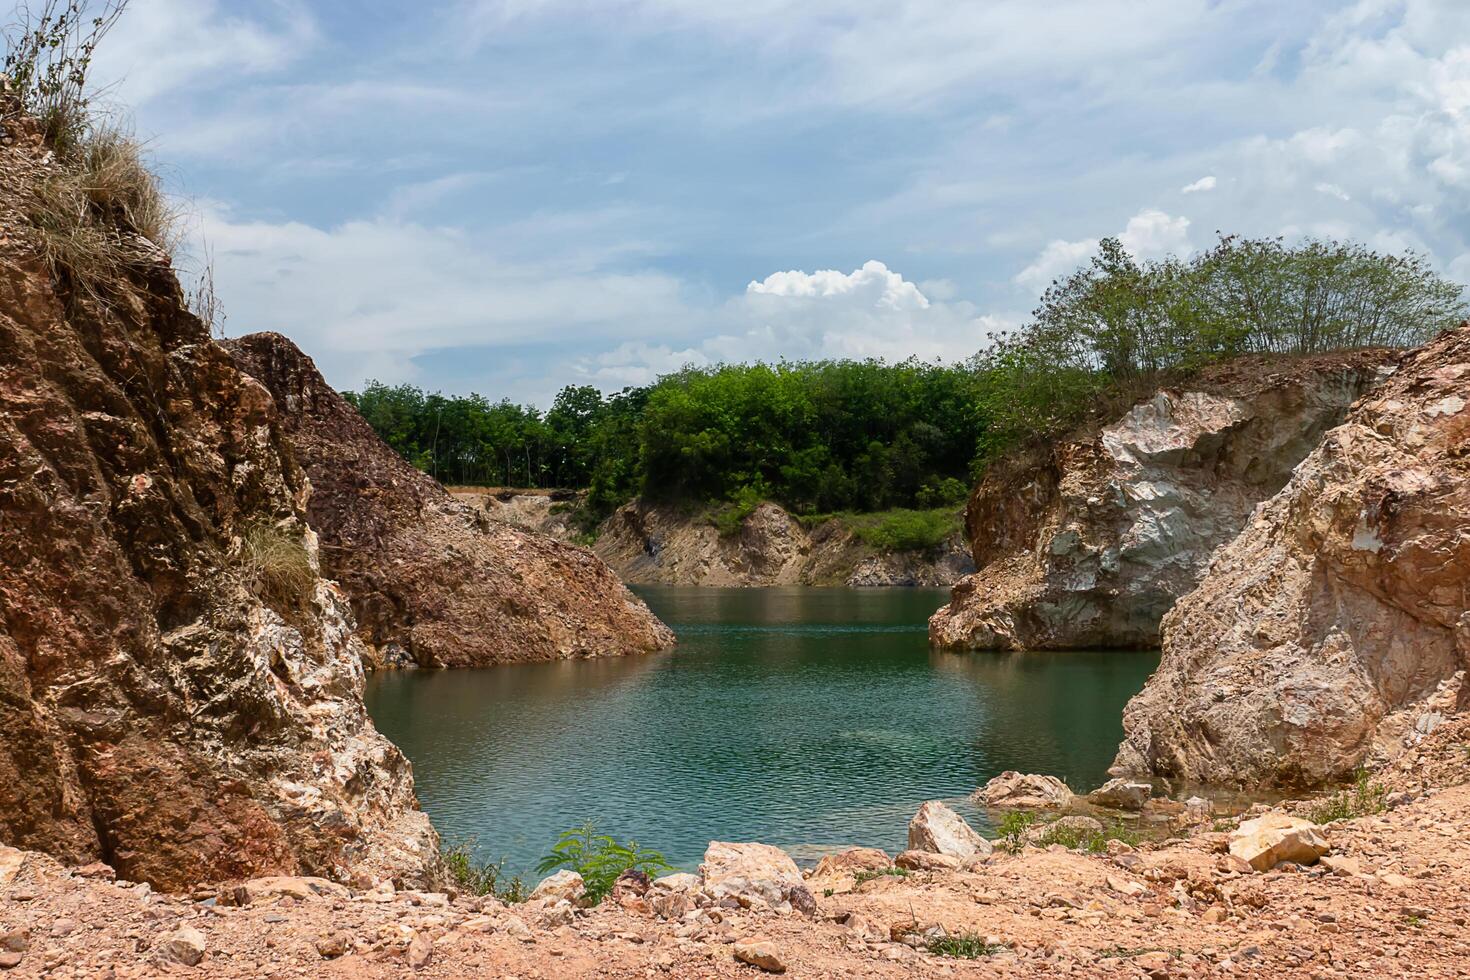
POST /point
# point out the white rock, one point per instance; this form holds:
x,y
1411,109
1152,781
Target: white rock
x,y
1121,794
1024,791
939,830
564,885
1275,837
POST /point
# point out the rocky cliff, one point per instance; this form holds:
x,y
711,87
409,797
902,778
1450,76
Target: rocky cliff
x,y
180,690
652,544
434,580
1089,542
1333,630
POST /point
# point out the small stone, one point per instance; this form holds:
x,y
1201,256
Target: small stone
x,y
10,960
1215,913
514,926
759,953
63,927
331,947
185,946
926,861
420,951
1342,866
564,885
1122,886
15,941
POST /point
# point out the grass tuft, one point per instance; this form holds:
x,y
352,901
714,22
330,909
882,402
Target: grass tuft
x,y
866,875
965,945
1364,799
480,878
279,562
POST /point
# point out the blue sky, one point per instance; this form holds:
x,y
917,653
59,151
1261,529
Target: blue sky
x,y
506,196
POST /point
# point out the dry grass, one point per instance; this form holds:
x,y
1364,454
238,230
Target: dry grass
x,y
89,213
279,563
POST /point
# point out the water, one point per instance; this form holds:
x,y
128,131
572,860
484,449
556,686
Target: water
x,y
806,718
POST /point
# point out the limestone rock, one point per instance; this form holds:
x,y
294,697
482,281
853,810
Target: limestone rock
x,y
757,876
939,830
760,953
652,544
420,951
1088,542
174,703
564,885
1024,791
852,859
428,574
184,945
1273,838
274,887
1121,794
1338,612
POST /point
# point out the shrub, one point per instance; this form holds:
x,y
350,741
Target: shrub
x,y
904,530
729,518
965,945
1092,841
279,562
48,52
478,878
866,874
599,859
1365,798
1012,829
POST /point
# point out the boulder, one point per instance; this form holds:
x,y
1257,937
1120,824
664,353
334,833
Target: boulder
x,y
939,830
852,859
1121,794
759,953
564,885
1085,542
756,876
1024,791
1275,837
1338,616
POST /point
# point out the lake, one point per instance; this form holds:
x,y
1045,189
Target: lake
x,y
807,718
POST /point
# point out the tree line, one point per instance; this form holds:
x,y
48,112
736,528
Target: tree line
x,y
827,436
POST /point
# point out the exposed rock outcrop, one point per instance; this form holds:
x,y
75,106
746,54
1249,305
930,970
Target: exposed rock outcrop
x,y
547,512
1089,542
1340,615
1024,791
659,545
432,578
169,703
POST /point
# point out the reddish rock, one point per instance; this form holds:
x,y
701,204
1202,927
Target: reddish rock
x,y
165,709
430,576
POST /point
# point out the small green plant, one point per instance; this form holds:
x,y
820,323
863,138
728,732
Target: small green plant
x,y
278,562
1012,828
1414,921
866,875
730,517
964,945
827,893
1365,798
600,859
474,877
48,52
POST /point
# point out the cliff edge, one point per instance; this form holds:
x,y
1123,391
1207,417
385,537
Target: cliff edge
x,y
1089,542
1335,629
433,580
180,689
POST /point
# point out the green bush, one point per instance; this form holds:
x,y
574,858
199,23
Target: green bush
x,y
905,530
1012,830
480,878
600,859
965,945
1364,799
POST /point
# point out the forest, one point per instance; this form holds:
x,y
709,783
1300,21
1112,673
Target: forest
x,y
829,436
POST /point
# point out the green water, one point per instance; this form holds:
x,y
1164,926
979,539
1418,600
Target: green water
x,y
806,718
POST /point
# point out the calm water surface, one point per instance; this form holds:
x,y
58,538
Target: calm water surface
x,y
806,718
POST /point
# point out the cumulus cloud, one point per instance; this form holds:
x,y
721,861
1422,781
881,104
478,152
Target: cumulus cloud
x,y
1149,234
1206,183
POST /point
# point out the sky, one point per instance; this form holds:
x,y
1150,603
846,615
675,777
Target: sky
x,y
509,196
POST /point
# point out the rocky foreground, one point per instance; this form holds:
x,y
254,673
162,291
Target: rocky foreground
x,y
1380,895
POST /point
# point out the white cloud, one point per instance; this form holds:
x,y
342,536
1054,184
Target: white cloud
x,y
1199,186
1332,190
874,284
1149,234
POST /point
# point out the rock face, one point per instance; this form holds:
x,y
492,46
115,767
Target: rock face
x,y
1340,614
1089,543
433,579
656,545
170,703
547,512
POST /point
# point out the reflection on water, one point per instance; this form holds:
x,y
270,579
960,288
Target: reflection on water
x,y
807,718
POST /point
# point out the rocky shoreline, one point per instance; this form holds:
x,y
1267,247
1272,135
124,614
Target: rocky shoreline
x,y
1384,893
